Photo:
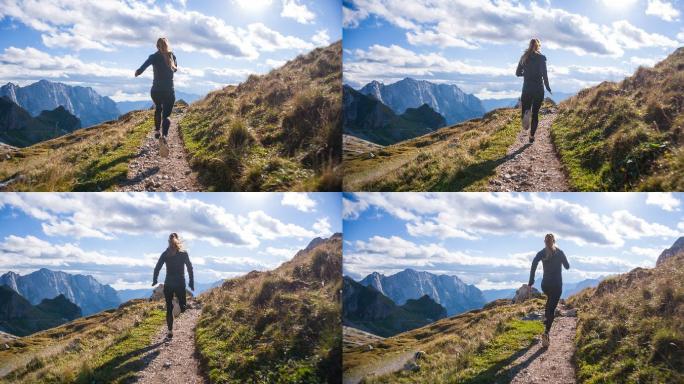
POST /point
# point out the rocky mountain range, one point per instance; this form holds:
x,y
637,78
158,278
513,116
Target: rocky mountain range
x,y
367,309
449,291
19,317
369,119
84,291
446,99
83,102
18,128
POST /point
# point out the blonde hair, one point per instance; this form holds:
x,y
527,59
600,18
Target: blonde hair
x,y
535,46
549,252
165,48
175,242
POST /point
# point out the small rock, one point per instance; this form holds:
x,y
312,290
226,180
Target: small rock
x,y
7,346
507,176
419,355
370,347
411,366
571,312
167,364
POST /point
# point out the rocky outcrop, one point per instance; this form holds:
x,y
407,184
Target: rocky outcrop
x,y
676,249
525,292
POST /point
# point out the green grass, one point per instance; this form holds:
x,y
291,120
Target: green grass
x,y
90,159
120,362
461,157
276,132
281,326
626,136
96,349
630,328
473,347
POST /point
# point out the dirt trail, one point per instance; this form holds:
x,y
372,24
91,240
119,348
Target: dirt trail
x,y
532,167
174,361
550,366
148,171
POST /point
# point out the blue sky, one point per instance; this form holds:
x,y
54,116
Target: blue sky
x,y
101,43
490,239
476,44
118,237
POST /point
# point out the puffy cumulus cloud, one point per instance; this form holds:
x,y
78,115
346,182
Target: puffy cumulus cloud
x,y
663,9
473,215
293,9
30,251
321,38
299,200
467,24
108,215
322,227
665,200
651,253
79,25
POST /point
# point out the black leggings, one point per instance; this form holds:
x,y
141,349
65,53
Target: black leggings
x,y
163,105
553,294
534,101
169,291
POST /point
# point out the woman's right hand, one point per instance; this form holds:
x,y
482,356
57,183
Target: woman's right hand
x,y
137,72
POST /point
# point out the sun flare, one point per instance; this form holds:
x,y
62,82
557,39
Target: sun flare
x,y
253,5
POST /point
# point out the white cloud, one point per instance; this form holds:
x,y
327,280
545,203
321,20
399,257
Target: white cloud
x,y
108,215
275,63
321,38
651,253
299,200
322,227
464,23
122,96
662,9
77,25
665,200
473,215
300,12
491,94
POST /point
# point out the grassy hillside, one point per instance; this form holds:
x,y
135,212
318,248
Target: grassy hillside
x,y
281,326
631,327
107,347
626,135
18,317
89,159
455,158
468,348
278,131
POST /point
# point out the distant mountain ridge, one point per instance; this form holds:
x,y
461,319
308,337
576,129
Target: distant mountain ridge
x,y
446,99
83,102
369,119
676,249
84,291
367,309
449,291
18,128
21,318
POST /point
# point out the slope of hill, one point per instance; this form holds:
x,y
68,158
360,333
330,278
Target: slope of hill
x,y
676,249
626,135
83,102
367,309
281,326
278,131
630,327
469,348
449,291
84,291
459,157
446,99
369,119
19,128
108,347
19,317
89,159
